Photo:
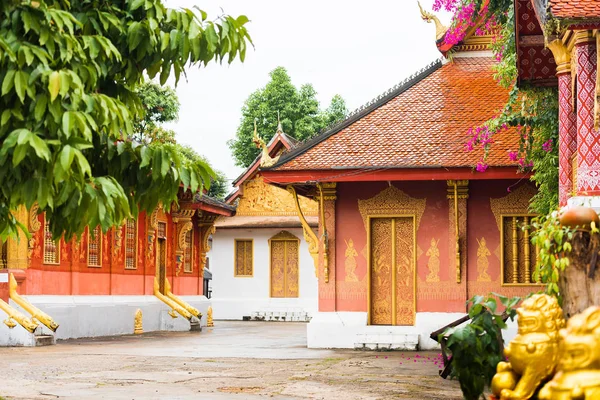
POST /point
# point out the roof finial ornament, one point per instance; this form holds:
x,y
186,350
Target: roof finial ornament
x,y
279,128
265,159
440,29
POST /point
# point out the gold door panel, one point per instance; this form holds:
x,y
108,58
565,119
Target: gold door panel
x,y
284,268
392,271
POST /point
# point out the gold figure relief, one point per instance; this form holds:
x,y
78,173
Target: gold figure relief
x,y
260,198
350,263
381,272
434,261
482,261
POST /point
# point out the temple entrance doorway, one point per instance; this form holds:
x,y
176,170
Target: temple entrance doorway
x,y
284,248
392,270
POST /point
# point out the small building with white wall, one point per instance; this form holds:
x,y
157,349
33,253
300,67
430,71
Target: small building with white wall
x,y
260,262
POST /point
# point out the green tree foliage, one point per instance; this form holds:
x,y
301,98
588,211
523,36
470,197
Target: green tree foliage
x,y
301,117
68,77
219,185
161,105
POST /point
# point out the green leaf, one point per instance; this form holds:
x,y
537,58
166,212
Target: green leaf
x,y
40,106
21,78
135,34
54,84
8,82
135,4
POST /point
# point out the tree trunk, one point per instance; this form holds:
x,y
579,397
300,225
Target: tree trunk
x,y
579,283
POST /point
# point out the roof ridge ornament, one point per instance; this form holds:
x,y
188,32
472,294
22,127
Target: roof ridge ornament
x,y
279,128
440,29
265,159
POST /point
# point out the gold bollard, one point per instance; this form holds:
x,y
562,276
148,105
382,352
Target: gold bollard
x,y
209,318
137,323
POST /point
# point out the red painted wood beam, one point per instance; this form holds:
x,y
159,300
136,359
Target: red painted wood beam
x,y
396,174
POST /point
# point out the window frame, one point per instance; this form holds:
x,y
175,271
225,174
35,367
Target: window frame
x,y
235,250
135,249
502,252
57,244
99,238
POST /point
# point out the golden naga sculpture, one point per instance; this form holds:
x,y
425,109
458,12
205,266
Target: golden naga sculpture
x,y
174,306
578,371
182,303
36,313
138,327
265,159
533,353
14,315
209,317
440,29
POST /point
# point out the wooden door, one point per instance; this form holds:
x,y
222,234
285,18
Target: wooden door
x,y
284,268
392,271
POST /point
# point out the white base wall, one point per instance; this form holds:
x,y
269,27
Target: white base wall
x,y
349,330
94,316
237,309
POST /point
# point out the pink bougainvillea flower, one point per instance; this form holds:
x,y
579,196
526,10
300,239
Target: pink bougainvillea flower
x,y
481,167
513,155
547,146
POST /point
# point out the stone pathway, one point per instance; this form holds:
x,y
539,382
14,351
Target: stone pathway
x,y
234,360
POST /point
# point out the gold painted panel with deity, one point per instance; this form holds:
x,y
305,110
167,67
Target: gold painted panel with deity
x,y
284,268
392,269
260,198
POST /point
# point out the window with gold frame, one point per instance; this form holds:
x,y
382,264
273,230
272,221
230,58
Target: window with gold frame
x,y
517,254
188,252
51,247
130,244
95,247
244,258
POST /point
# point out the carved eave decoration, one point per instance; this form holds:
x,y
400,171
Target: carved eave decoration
x,y
34,222
440,29
517,202
284,235
392,201
266,160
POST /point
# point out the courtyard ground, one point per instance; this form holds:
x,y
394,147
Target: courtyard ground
x,y
233,360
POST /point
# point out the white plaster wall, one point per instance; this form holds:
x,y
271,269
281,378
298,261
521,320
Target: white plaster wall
x,y
342,330
94,316
237,297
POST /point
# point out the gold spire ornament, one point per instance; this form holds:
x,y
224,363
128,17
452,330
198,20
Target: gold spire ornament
x,y
209,318
440,29
265,159
138,328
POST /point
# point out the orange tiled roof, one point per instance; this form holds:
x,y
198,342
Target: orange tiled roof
x,y
421,123
575,8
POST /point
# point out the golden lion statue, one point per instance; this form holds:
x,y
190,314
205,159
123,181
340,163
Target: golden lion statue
x,y
533,353
578,370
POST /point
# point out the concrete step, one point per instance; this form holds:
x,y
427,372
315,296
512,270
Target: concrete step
x,y
195,325
44,340
386,341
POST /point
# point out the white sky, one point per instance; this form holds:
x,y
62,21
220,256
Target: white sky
x,y
353,48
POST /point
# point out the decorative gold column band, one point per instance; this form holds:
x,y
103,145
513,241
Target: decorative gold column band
x,y
456,190
515,250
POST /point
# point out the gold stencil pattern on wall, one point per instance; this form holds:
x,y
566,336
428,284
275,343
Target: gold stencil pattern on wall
x,y
392,201
260,198
482,261
381,271
434,261
405,272
350,262
517,202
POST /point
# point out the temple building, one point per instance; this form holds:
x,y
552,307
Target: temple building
x,y
572,65
408,231
262,266
94,286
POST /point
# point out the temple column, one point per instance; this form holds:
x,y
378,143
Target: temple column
x,y
206,226
588,138
567,121
327,287
458,193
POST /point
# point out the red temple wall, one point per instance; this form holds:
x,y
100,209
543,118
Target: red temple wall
x,y
443,295
73,276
